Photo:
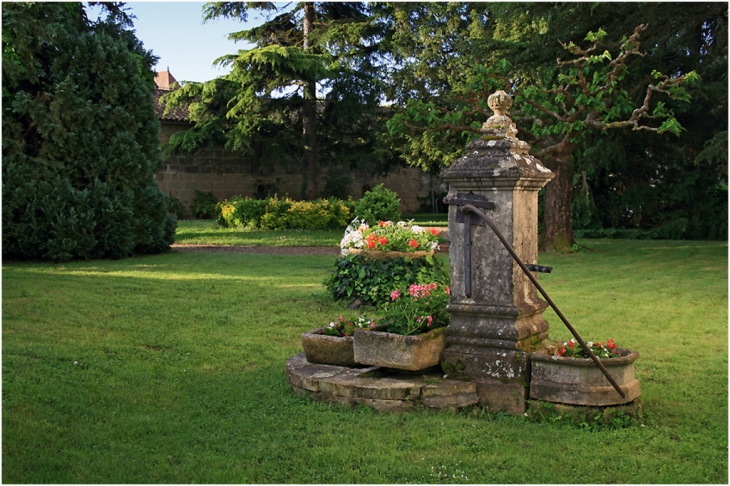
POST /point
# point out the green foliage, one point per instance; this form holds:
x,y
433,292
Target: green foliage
x,y
262,106
174,206
441,98
421,309
373,280
346,327
338,186
278,214
80,141
379,204
240,212
204,205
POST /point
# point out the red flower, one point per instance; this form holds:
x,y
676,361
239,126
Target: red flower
x,y
383,240
448,290
434,231
342,319
413,243
381,223
371,244
561,351
571,344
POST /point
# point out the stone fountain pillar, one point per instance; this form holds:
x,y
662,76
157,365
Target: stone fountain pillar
x,y
496,315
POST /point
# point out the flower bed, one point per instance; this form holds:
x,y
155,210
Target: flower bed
x,y
403,236
379,259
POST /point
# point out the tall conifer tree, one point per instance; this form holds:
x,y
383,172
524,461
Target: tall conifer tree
x,y
80,145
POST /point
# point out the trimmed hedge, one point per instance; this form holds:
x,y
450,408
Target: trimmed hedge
x,y
275,214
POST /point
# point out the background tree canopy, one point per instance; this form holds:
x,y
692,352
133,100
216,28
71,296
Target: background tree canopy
x,y
80,145
427,68
674,187
307,93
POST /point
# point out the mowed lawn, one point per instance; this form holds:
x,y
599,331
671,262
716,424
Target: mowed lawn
x,y
170,369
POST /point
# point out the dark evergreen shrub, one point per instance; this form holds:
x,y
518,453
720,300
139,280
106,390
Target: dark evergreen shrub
x,y
80,145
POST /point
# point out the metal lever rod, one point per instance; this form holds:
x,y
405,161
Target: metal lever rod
x,y
490,223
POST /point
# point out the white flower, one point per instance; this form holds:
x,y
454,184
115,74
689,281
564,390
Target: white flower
x,y
332,324
401,224
416,229
590,344
573,341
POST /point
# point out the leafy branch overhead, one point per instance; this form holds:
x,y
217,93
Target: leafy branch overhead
x,y
588,95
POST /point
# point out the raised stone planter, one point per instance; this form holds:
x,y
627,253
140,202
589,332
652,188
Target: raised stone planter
x,y
332,350
396,351
378,388
382,255
580,382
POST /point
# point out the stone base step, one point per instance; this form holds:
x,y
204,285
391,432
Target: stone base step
x,y
379,388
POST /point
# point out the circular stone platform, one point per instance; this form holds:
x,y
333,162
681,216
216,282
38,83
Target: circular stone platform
x,y
379,388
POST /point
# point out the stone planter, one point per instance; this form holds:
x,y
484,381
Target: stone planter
x,y
382,255
391,350
332,350
581,382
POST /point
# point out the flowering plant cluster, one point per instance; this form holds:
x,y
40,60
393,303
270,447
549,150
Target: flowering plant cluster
x,y
347,327
421,309
572,349
388,236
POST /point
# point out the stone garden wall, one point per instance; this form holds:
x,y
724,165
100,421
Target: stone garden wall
x,y
227,174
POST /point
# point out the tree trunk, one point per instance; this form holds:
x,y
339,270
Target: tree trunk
x,y
557,231
309,116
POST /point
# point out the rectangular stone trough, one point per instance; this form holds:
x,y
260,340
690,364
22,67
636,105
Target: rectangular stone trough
x,y
395,351
332,350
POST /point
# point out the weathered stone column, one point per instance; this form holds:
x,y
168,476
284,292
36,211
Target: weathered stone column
x,y
496,315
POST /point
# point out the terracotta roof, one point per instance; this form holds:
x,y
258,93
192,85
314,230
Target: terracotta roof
x,y
165,79
176,114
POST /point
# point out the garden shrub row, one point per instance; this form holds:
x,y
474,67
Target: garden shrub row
x,y
276,214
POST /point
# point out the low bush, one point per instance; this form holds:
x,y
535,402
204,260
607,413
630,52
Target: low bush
x,y
380,204
174,206
204,205
279,214
374,280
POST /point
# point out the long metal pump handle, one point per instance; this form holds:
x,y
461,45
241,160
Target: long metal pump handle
x,y
469,207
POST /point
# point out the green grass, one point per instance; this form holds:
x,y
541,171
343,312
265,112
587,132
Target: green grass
x,y
207,232
429,219
179,377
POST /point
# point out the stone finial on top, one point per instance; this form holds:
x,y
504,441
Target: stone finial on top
x,y
499,125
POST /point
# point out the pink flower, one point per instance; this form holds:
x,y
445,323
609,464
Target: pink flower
x,y
394,295
448,290
342,319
